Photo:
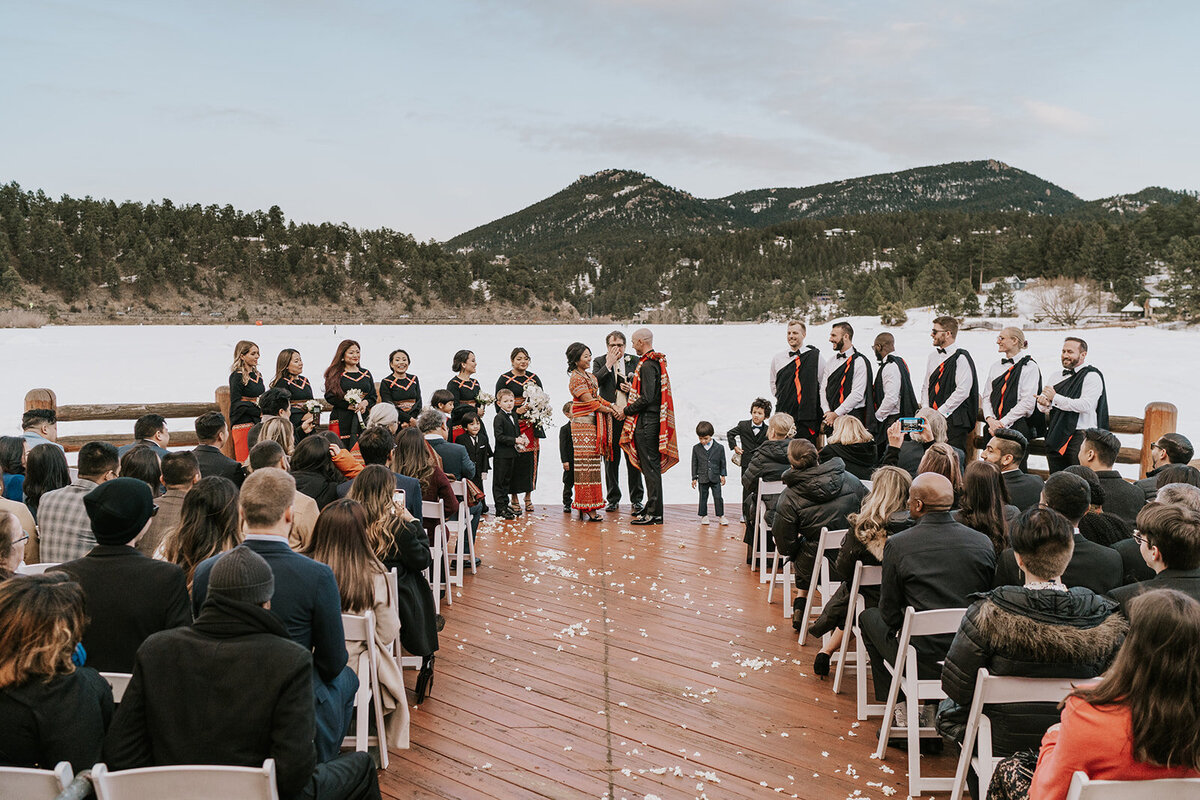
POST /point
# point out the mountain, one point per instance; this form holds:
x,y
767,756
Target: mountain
x,y
1121,204
615,207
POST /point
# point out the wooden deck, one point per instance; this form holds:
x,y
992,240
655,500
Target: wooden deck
x,y
603,660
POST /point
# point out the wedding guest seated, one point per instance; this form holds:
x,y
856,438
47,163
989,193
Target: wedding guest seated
x,y
45,470
340,541
456,461
1099,451
313,469
54,708
12,467
208,526
233,690
1178,473
212,433
305,599
1140,722
1130,550
869,530
1096,525
815,496
129,595
851,442
143,464
275,403
376,446
150,430
1170,448
180,471
12,544
412,457
937,563
1039,630
270,453
1005,449
1169,537
1092,565
984,505
905,450
64,530
27,530
40,426
769,463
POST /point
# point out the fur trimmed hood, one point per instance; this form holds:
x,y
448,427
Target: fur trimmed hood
x,y
873,539
1046,625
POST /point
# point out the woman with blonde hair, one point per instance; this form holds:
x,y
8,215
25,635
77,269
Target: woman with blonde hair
x,y
280,430
1009,397
54,709
869,530
905,450
943,459
851,442
245,387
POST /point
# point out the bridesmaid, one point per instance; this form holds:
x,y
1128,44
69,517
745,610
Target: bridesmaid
x,y
525,468
401,389
591,441
288,369
465,389
245,387
344,374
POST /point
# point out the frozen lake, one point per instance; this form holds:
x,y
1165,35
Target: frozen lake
x,y
716,370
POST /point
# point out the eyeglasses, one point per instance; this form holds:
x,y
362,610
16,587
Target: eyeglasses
x,y
24,538
939,330
1141,538
1156,446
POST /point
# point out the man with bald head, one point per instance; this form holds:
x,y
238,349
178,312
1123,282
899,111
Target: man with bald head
x,y
937,563
893,389
649,438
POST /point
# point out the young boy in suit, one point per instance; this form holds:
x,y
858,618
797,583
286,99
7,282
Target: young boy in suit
x,y
708,470
507,432
566,454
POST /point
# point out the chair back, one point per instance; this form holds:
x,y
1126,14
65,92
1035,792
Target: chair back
x,y
195,782
119,681
36,784
1083,788
434,510
36,569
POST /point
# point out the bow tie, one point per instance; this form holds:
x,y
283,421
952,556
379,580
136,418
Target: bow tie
x,y
1006,361
1070,371
794,353
941,350
841,355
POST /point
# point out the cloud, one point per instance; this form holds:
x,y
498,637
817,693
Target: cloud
x,y
1061,119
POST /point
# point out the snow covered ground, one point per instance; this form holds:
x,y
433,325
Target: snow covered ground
x,y
716,370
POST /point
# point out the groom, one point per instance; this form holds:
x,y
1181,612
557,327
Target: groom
x,y
613,373
649,438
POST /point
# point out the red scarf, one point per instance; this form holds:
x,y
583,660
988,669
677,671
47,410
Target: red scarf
x,y
668,442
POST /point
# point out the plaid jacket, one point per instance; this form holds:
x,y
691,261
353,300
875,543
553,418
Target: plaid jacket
x,y
63,525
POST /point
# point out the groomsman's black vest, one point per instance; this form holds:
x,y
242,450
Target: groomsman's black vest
x,y
908,398
942,382
840,381
796,386
1062,424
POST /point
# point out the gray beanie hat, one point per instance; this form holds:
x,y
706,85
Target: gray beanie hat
x,y
242,574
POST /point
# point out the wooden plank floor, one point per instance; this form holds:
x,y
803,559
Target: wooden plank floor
x,y
603,660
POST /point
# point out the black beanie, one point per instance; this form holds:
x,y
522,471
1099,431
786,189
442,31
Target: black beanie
x,y
242,574
119,509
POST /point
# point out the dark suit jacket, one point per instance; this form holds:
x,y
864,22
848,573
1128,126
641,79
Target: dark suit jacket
x,y
410,486
306,600
649,398
1024,490
455,459
129,596
1134,566
1120,496
214,462
566,446
750,442
607,378
1181,580
937,563
505,430
708,466
1095,566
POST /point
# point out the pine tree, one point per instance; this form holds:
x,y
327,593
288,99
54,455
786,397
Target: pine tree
x,y
1001,301
968,300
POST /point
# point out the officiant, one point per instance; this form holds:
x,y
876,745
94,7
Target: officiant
x,y
613,372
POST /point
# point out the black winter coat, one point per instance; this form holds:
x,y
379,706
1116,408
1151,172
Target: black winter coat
x,y
1034,633
860,459
815,498
768,463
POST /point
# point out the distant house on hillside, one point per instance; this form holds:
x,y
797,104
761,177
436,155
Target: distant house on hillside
x,y
1145,310
1014,283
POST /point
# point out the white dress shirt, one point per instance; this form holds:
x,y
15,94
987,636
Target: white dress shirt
x,y
962,381
781,360
890,402
858,386
1027,391
1084,405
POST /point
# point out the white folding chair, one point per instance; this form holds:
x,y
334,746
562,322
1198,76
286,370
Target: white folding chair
x,y
361,628
36,569
866,484
822,581
916,692
435,511
863,576
461,530
195,782
1084,788
759,547
119,681
977,740
36,784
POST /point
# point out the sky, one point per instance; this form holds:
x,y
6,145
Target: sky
x,y
434,117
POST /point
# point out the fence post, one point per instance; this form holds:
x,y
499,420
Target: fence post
x,y
1160,418
41,398
223,405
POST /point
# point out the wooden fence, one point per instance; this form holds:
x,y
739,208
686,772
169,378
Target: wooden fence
x,y
1158,418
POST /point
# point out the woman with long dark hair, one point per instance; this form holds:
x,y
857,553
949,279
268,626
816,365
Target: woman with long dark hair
x,y
984,504
45,470
208,525
289,367
54,708
346,374
142,463
12,464
412,457
401,389
314,471
245,387
524,475
588,436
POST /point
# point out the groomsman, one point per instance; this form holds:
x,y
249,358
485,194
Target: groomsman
x,y
796,382
1010,397
846,380
951,386
1075,401
892,389
613,373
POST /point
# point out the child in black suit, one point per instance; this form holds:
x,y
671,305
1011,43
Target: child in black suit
x,y
566,454
478,449
507,432
708,470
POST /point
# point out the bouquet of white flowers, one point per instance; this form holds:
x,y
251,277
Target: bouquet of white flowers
x,y
314,407
538,410
484,399
353,398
